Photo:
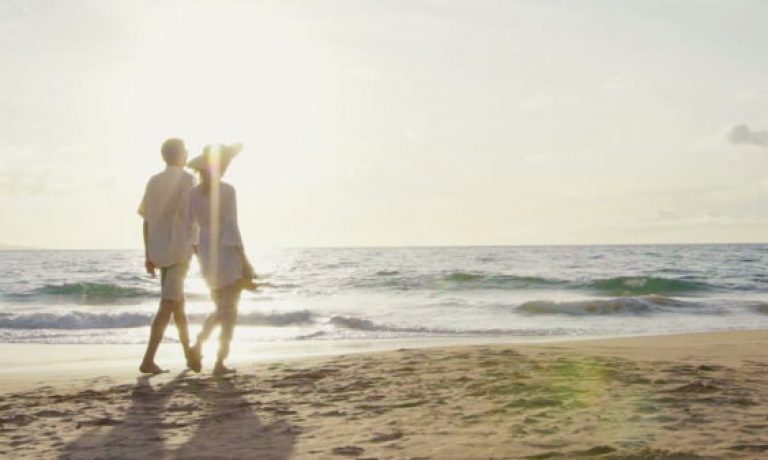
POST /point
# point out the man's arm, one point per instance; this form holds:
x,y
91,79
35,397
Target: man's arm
x,y
148,264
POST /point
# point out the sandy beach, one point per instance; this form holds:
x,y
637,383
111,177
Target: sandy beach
x,y
683,396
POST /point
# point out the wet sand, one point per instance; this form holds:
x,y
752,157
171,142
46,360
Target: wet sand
x,y
684,396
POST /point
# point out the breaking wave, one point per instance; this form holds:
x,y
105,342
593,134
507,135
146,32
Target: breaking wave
x,y
619,286
640,285
95,293
456,280
361,324
88,320
88,293
75,320
271,319
642,305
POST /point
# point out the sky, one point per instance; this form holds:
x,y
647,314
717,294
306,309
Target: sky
x,y
389,123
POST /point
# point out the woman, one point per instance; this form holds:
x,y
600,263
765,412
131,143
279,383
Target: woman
x,y
220,252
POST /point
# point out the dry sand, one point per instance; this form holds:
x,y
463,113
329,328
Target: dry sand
x,y
686,396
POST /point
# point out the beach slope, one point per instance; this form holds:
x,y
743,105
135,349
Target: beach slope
x,y
684,396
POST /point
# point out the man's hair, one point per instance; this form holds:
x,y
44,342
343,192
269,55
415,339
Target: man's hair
x,y
172,150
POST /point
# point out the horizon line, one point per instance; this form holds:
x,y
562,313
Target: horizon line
x,y
407,246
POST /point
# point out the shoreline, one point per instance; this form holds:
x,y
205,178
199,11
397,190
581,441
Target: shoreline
x,y
22,364
57,364
674,396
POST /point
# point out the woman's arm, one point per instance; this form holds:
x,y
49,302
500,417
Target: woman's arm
x,y
247,267
234,237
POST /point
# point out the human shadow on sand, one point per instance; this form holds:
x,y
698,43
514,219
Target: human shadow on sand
x,y
139,433
190,418
231,429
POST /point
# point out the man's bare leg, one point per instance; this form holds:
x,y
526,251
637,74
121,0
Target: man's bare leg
x,y
182,325
159,323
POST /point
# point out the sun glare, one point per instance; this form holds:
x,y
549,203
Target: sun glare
x,y
221,76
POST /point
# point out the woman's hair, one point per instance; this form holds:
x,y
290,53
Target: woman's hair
x,y
205,181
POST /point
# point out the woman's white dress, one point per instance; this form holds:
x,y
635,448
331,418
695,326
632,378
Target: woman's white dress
x,y
219,234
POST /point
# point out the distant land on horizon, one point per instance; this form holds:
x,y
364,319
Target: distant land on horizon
x,y
7,247
16,247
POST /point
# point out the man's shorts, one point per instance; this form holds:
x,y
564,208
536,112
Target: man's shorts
x,y
172,281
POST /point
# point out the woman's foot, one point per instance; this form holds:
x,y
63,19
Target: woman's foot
x,y
151,368
220,369
194,359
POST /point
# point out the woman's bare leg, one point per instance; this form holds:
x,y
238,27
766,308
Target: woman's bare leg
x,y
210,323
228,319
227,301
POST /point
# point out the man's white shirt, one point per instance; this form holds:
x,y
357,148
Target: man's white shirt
x,y
165,207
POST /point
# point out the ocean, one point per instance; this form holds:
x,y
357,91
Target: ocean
x,y
342,294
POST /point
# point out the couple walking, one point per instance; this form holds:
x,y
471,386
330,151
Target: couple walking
x,y
182,219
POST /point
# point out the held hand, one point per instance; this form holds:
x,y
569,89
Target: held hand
x,y
248,271
150,267
246,282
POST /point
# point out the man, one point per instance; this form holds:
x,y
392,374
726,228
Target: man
x,y
169,235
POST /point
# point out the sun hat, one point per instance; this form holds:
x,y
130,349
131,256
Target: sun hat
x,y
215,155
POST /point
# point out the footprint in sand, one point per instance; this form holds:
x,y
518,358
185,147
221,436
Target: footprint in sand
x,y
350,451
17,419
750,447
385,437
333,413
106,421
52,413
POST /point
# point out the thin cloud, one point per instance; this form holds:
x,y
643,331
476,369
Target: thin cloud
x,y
743,135
618,84
26,183
538,102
